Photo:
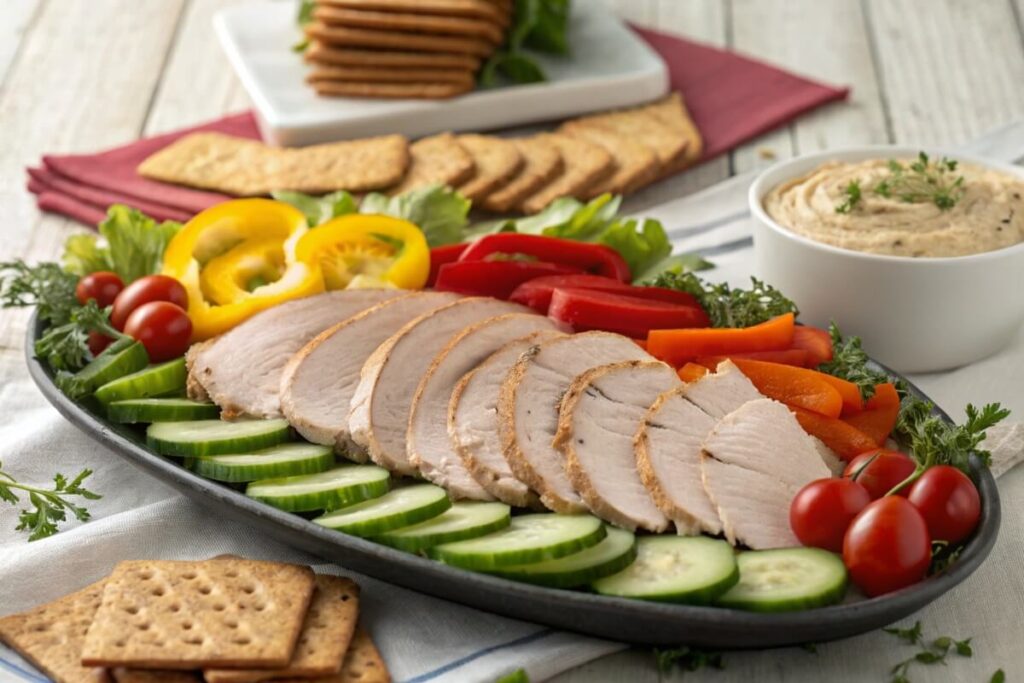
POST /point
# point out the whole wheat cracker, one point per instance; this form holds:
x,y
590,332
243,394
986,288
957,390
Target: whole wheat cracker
x,y
172,614
672,112
585,165
363,664
337,36
635,164
425,24
436,159
542,162
479,9
325,638
496,160
648,126
122,675
390,74
318,53
50,636
400,91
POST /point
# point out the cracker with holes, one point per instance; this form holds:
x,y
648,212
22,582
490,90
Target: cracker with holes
x,y
167,614
585,165
496,161
635,164
363,664
50,636
542,162
326,634
436,159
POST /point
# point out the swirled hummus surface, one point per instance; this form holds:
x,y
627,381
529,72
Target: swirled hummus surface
x,y
989,214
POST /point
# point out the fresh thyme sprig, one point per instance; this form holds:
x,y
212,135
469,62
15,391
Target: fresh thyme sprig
x,y
853,194
850,362
923,181
934,652
49,506
727,306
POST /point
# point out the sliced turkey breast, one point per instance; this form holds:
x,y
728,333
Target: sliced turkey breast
x,y
528,408
721,392
240,370
754,461
473,422
599,417
427,444
318,381
382,400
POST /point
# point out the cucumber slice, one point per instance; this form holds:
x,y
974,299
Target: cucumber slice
x,y
693,569
160,410
461,521
394,510
122,357
156,380
616,552
215,437
787,579
528,538
329,490
286,460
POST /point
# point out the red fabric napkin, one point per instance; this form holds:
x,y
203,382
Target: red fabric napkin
x,y
732,99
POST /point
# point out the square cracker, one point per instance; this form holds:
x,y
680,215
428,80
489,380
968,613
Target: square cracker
x,y
340,36
167,614
436,159
496,160
635,164
50,636
425,24
122,675
542,162
363,664
369,74
478,9
672,112
325,638
585,165
399,91
318,53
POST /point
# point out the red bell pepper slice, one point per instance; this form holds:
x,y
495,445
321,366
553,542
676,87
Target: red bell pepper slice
x,y
593,258
493,278
439,256
815,341
589,310
537,293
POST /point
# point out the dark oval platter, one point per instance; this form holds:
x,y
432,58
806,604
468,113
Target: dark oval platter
x,y
632,621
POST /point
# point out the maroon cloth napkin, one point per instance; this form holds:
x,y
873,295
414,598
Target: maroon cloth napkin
x,y
731,98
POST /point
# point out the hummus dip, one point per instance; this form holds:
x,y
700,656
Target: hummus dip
x,y
988,216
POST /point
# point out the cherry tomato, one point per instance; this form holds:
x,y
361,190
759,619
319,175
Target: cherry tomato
x,y
163,328
97,342
144,290
103,286
887,469
949,502
887,547
822,511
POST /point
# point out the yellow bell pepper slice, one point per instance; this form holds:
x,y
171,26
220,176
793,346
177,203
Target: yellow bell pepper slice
x,y
242,271
361,248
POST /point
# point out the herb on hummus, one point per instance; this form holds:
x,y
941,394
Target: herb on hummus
x,y
923,181
49,506
853,197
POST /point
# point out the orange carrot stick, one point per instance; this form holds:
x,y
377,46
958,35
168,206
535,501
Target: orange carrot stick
x,y
793,386
676,347
691,372
847,441
878,418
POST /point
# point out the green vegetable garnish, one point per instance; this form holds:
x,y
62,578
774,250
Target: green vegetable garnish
x,y
853,197
728,307
135,245
850,362
541,25
688,659
439,211
934,652
46,286
49,506
319,209
934,441
923,181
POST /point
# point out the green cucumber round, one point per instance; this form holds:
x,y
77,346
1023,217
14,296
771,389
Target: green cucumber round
x,y
328,490
690,569
528,538
787,579
616,552
467,519
286,460
160,410
394,510
215,437
156,380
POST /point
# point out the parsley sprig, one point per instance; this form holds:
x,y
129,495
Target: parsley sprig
x,y
933,441
46,286
850,362
49,506
934,652
921,181
728,307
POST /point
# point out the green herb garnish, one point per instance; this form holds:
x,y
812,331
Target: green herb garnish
x,y
850,362
934,652
135,245
517,676
49,506
541,25
932,440
923,181
728,307
853,196
688,659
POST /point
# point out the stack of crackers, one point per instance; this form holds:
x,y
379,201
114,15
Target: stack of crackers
x,y
225,620
428,49
617,152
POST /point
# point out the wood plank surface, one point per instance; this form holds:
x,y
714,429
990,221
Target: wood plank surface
x,y
16,17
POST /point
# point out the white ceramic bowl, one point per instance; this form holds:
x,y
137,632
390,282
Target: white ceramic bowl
x,y
913,314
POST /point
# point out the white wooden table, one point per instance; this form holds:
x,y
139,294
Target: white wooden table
x,y
81,75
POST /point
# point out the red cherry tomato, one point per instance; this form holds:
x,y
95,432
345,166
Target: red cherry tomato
x,y
887,547
103,286
822,511
163,328
885,471
144,290
949,502
97,342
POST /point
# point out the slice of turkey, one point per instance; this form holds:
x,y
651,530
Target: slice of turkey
x,y
721,392
427,443
528,408
240,370
318,381
754,461
382,400
598,420
473,422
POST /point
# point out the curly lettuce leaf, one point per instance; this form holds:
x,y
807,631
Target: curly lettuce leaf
x,y
83,255
439,211
135,242
319,210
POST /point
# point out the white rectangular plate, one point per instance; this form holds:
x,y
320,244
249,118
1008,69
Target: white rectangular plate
x,y
609,67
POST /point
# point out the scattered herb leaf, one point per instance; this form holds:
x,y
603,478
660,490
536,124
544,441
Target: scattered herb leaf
x,y
49,506
934,652
910,635
998,677
853,196
811,648
688,659
923,181
517,676
728,307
